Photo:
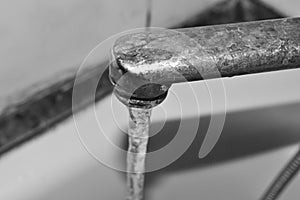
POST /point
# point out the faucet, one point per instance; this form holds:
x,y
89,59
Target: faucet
x,y
145,64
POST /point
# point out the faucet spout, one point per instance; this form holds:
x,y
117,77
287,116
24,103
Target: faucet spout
x,y
146,64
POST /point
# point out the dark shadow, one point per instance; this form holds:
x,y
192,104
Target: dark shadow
x,y
232,11
245,133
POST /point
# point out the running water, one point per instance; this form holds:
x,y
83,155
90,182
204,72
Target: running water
x,y
138,132
139,123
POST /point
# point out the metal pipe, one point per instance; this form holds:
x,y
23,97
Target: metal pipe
x,y
150,61
286,175
145,64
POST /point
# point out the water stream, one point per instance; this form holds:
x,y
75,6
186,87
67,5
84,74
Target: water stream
x,y
138,132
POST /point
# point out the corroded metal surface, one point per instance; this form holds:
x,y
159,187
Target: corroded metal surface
x,y
41,108
158,58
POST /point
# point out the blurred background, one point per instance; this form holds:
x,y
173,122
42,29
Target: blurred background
x,y
43,44
40,39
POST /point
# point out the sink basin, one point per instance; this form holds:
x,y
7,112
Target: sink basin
x,y
261,133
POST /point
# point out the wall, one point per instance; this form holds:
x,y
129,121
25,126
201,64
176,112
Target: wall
x,y
40,39
287,7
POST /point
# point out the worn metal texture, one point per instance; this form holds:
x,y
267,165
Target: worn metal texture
x,y
157,58
38,109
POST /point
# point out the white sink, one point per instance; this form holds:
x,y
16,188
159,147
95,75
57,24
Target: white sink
x,y
260,135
